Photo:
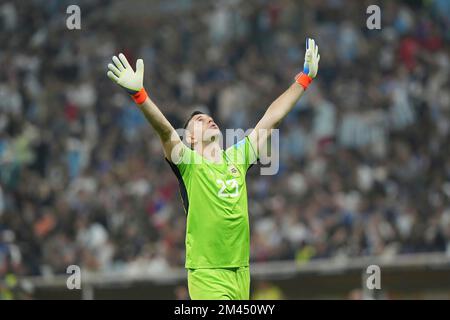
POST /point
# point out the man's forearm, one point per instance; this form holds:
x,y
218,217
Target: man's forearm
x,y
167,134
156,119
274,114
283,104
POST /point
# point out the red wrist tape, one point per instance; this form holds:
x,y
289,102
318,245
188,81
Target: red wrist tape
x,y
303,79
140,96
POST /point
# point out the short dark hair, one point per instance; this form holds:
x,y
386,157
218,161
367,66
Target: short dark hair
x,y
193,114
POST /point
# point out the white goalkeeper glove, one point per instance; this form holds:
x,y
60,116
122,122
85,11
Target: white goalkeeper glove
x,y
311,65
123,74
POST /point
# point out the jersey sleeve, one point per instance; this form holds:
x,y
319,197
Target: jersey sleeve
x,y
186,159
243,153
181,166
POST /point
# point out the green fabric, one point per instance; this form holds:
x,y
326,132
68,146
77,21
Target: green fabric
x,y
219,284
217,231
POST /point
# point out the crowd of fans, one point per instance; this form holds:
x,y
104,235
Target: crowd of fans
x,y
364,156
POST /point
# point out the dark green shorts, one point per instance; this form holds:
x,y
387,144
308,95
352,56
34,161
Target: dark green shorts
x,y
219,284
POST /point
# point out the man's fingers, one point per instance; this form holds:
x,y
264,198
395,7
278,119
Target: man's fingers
x,y
113,69
318,58
307,48
140,66
118,64
112,76
124,61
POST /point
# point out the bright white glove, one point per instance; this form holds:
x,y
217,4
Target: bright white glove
x,y
312,58
122,73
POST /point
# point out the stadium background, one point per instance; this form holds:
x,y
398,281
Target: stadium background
x,y
365,164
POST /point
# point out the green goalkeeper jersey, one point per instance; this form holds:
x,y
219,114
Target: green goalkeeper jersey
x,y
215,200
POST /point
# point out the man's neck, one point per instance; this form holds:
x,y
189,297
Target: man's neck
x,y
211,151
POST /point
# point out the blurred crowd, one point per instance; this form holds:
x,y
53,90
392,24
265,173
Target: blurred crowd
x,y
364,155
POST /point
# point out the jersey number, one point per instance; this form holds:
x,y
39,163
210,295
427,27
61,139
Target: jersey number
x,y
229,183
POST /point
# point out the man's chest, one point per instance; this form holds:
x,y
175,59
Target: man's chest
x,y
225,182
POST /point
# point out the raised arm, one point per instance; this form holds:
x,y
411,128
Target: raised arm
x,y
123,74
284,103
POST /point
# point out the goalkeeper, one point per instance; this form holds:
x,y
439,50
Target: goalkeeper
x,y
212,180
